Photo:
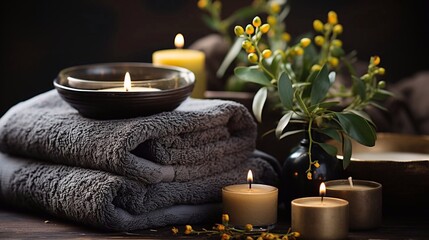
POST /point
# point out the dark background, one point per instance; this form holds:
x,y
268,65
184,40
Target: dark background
x,y
39,38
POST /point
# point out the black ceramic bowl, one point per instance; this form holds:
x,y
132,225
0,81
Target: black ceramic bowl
x,y
85,88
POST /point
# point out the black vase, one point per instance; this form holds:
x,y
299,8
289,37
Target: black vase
x,y
294,182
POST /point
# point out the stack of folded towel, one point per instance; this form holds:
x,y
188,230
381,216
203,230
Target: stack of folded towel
x,y
127,174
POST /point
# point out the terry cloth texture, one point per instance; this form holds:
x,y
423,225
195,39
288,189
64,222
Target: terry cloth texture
x,y
200,138
109,201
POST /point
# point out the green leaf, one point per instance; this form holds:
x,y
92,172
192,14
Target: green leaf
x,y
347,151
363,115
284,121
357,128
258,103
230,57
288,133
320,86
331,150
301,104
378,106
254,75
382,94
359,87
330,132
325,105
285,91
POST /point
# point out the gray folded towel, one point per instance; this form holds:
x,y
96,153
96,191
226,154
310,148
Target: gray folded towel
x,y
109,201
199,138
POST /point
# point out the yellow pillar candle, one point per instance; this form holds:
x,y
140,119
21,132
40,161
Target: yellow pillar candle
x,y
193,60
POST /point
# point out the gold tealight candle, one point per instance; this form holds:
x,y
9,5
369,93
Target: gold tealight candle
x,y
365,199
320,217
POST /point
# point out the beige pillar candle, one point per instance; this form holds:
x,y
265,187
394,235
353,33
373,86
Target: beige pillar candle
x,y
254,204
365,199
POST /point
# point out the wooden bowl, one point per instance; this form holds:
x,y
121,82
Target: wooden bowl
x,y
85,88
401,164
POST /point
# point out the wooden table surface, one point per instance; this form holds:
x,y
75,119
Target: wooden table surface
x,y
16,224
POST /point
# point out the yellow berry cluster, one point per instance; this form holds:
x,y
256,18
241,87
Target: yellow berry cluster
x,y
373,70
331,47
227,232
252,34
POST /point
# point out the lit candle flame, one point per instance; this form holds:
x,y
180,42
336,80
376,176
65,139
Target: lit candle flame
x,y
127,82
250,178
179,41
322,190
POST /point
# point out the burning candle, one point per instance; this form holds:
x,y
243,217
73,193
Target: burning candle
x,y
365,199
250,203
320,217
128,87
193,60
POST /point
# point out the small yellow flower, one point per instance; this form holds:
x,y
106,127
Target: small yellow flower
x,y
265,28
249,238
319,40
174,230
299,51
250,29
305,42
270,236
248,227
316,67
246,44
381,71
256,21
202,4
220,227
316,164
332,17
286,37
327,27
266,53
309,177
318,25
338,28
382,84
238,30
188,229
251,49
252,57
285,237
337,43
271,20
376,60
333,61
275,7
225,218
225,236
296,234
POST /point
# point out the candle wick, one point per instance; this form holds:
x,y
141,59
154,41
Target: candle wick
x,y
350,182
322,199
250,184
